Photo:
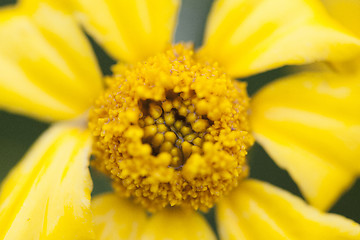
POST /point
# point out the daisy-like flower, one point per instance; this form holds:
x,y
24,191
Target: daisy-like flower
x,y
171,128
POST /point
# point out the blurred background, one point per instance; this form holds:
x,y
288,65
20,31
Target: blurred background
x,y
17,133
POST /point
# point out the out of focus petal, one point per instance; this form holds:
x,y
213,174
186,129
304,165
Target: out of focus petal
x,y
177,224
345,11
310,125
47,67
47,195
117,218
257,210
253,36
129,30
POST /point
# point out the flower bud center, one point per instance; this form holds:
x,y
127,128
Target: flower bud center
x,y
172,130
174,126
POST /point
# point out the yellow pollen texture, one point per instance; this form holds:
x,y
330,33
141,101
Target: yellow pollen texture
x,y
172,130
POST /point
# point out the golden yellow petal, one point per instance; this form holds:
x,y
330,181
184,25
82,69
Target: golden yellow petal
x,y
47,68
251,36
345,11
177,224
257,210
116,218
47,195
310,125
348,67
129,30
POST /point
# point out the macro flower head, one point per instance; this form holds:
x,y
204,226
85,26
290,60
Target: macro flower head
x,y
171,127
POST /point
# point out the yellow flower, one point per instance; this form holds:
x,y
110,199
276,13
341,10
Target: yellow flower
x,y
48,71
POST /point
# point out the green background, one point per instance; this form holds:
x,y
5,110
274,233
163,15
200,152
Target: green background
x,y
17,133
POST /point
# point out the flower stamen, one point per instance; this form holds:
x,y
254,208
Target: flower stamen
x,y
174,126
172,130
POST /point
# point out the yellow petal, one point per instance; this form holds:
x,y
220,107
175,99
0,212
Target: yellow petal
x,y
116,218
256,210
47,68
345,11
351,66
47,195
173,224
129,30
251,36
310,125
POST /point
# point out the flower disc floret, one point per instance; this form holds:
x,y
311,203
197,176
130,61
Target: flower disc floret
x,y
172,130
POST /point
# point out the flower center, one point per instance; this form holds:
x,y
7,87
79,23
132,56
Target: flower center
x,y
172,130
175,126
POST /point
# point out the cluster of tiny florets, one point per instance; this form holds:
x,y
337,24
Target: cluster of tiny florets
x,y
172,130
